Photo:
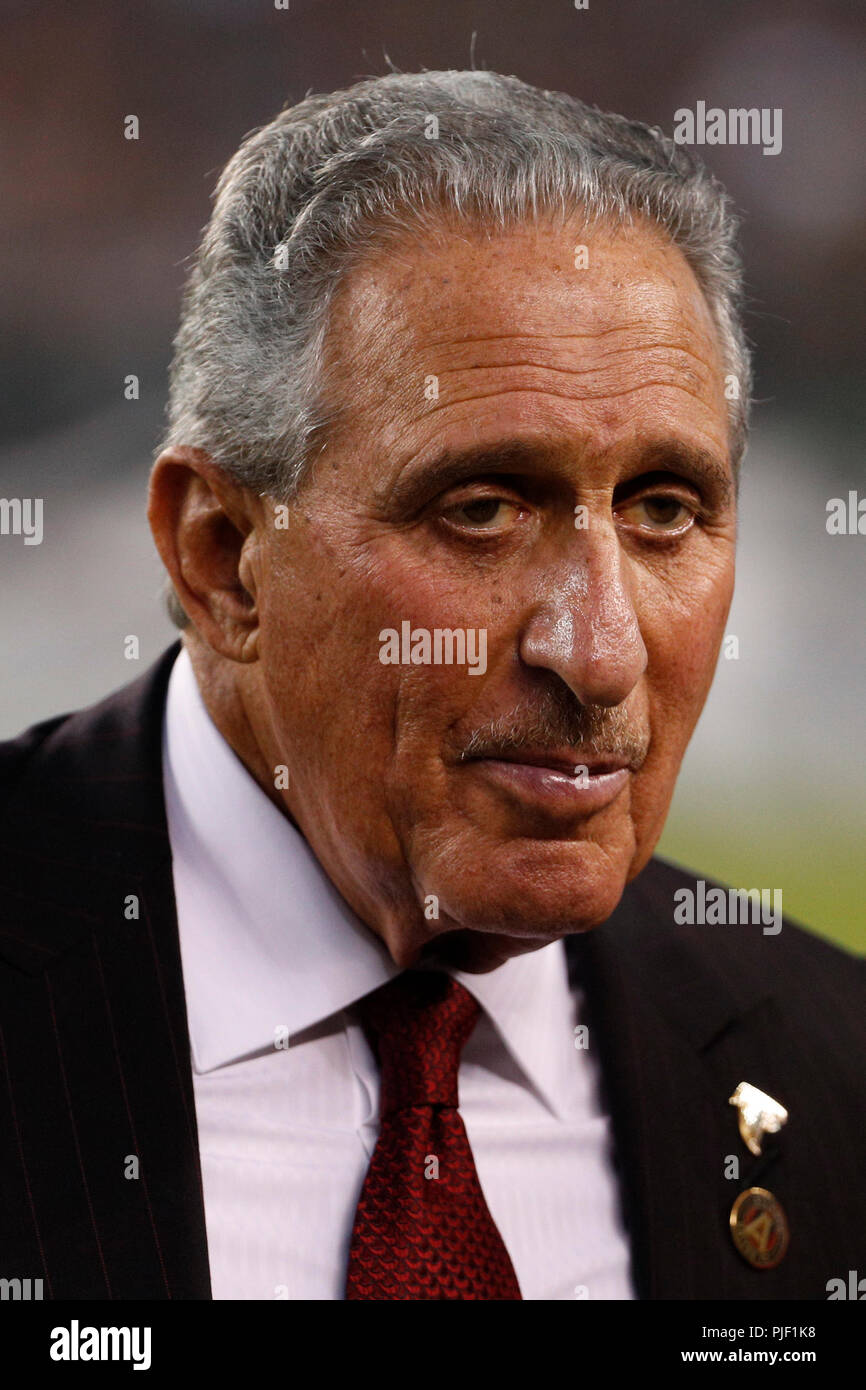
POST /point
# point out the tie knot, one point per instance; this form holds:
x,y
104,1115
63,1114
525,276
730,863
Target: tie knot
x,y
419,1023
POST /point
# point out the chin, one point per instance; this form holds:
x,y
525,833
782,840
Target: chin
x,y
530,895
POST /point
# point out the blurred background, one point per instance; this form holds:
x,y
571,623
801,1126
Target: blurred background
x,y
96,230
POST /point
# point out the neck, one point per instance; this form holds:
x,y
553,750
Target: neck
x,y
230,691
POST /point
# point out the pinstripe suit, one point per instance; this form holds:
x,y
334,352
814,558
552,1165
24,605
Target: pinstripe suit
x,y
96,1086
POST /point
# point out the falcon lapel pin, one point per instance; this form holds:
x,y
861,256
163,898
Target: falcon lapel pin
x,y
759,1115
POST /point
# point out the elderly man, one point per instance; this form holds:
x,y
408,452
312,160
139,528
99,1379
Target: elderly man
x,y
448,506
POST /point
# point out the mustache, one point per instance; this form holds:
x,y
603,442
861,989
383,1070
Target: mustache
x,y
556,719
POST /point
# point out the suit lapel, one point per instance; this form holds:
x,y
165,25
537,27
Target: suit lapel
x,y
95,1027
674,1039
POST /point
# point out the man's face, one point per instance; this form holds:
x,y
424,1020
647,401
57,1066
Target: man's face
x,y
535,455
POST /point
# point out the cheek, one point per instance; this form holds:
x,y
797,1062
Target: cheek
x,y
323,611
318,617
683,636
682,639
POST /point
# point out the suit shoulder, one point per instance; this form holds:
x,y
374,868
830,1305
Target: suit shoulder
x,y
47,766
16,753
799,962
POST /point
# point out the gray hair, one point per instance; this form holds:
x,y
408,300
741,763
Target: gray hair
x,y
306,198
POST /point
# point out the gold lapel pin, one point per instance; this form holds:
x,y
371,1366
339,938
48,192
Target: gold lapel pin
x,y
759,1115
759,1228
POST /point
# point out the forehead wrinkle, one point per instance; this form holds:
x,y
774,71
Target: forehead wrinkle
x,y
695,324
400,381
508,337
671,323
434,407
655,345
680,336
400,402
679,359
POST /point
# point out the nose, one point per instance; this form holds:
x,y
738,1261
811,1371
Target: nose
x,y
584,626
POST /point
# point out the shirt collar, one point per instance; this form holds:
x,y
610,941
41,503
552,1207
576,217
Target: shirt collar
x,y
533,1008
268,943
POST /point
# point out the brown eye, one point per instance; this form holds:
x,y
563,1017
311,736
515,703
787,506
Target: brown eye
x,y
661,514
665,511
480,512
483,513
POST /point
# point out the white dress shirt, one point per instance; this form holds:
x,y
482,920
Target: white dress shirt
x,y
287,1087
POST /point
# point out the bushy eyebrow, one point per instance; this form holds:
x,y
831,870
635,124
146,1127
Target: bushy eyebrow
x,y
676,456
425,478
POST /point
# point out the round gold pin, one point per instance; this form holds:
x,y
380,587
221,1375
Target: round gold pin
x,y
759,1228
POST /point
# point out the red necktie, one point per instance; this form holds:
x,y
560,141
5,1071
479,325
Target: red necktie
x,y
417,1235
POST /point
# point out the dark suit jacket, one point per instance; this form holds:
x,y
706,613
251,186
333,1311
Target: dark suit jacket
x,y
95,1062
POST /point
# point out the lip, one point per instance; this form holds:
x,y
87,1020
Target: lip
x,y
562,760
547,783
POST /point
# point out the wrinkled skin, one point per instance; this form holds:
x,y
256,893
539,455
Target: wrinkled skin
x,y
598,388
